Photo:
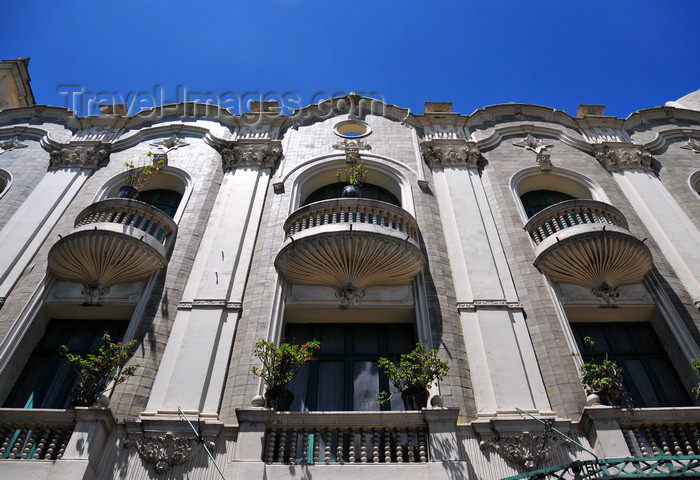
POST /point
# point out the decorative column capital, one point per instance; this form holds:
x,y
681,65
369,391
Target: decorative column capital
x,y
85,156
245,153
439,154
619,158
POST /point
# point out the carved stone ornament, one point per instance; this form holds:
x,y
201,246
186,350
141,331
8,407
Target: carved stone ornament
x,y
79,156
533,144
349,294
11,144
170,143
527,450
616,159
450,154
167,451
693,145
348,144
258,154
278,187
544,161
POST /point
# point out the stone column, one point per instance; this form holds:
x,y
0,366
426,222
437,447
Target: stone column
x,y
70,166
671,228
502,360
193,369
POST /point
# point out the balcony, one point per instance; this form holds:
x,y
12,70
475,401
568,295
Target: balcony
x,y
350,244
588,243
115,241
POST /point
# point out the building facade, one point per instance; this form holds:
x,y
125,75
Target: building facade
x,y
519,241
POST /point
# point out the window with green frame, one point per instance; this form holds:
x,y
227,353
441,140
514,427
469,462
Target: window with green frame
x,y
648,374
367,190
538,200
346,376
165,200
47,378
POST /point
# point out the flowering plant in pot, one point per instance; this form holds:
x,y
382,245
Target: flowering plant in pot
x,y
355,174
603,378
137,176
415,372
279,365
101,370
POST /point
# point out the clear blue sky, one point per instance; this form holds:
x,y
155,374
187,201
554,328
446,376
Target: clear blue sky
x,y
628,55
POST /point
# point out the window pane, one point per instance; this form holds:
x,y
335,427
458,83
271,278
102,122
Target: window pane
x,y
399,339
365,339
635,373
333,340
331,388
365,386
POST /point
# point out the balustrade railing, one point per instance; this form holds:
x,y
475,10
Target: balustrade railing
x,y
663,439
334,444
131,213
34,434
571,213
351,211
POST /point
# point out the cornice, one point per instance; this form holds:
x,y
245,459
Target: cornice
x,y
499,133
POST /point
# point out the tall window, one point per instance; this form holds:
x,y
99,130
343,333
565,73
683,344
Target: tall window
x,y
538,200
47,379
165,200
346,375
648,373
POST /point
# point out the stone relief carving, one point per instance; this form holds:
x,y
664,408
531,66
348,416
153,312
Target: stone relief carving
x,y
170,143
440,155
533,144
167,451
616,159
693,145
527,450
247,154
544,161
79,156
278,187
11,144
95,134
349,294
348,144
605,134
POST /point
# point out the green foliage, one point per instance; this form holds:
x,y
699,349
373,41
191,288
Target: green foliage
x,y
355,173
280,364
100,369
138,176
416,369
696,367
597,377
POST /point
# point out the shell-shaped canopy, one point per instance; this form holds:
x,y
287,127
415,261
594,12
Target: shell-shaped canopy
x,y
350,258
602,257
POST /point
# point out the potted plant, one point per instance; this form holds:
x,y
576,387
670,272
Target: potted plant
x,y
696,366
279,365
415,372
355,174
137,176
603,379
100,370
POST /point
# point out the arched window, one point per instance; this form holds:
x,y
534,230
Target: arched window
x,y
537,200
367,190
163,199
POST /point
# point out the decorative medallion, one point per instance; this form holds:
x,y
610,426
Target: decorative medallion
x,y
167,451
11,144
348,144
533,144
527,450
170,143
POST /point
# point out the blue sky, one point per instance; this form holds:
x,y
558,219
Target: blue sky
x,y
628,55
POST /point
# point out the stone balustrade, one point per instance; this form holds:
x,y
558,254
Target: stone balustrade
x,y
351,211
130,213
35,434
671,435
570,213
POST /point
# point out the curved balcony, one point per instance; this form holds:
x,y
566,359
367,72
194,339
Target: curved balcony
x,y
587,243
350,244
116,240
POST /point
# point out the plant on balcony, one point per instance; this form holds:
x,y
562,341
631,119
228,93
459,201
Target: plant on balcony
x,y
355,174
415,372
137,176
101,370
696,366
279,365
603,379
